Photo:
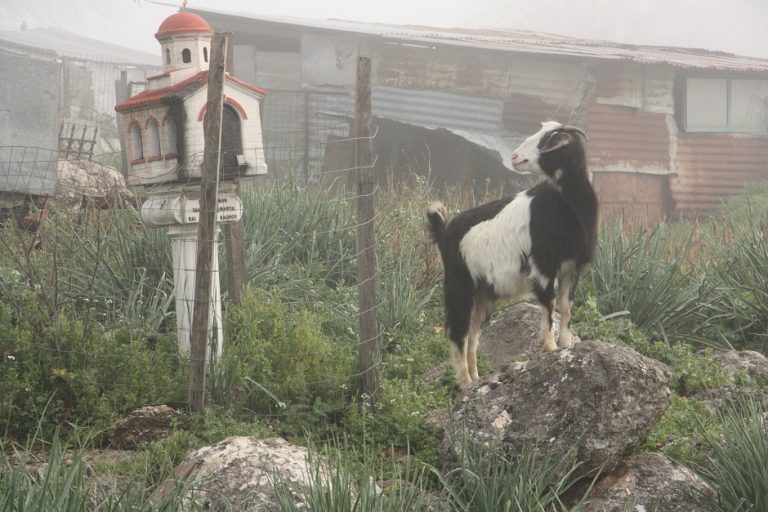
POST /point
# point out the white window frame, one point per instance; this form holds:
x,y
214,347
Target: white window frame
x,y
730,125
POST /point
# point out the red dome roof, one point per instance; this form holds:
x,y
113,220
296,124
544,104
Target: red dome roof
x,y
182,22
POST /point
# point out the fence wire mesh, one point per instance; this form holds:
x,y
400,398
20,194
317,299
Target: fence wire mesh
x,y
86,257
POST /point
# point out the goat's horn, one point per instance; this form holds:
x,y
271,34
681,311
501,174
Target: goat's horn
x,y
573,129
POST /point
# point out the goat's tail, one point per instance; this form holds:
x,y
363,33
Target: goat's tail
x,y
436,215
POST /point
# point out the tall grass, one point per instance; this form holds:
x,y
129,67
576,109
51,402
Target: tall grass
x,y
737,467
65,483
641,274
335,486
526,481
738,279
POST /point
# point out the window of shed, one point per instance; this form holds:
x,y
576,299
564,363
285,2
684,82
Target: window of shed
x,y
205,53
153,136
137,152
726,105
170,136
186,56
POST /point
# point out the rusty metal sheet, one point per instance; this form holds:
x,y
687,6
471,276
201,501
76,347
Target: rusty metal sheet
x,y
639,199
625,139
478,75
714,167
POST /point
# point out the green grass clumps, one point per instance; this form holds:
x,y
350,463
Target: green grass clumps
x,y
78,375
679,432
736,466
279,364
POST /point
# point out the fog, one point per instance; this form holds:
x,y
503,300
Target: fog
x,y
735,26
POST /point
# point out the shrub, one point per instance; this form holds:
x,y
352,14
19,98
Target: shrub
x,y
279,364
679,432
395,422
79,374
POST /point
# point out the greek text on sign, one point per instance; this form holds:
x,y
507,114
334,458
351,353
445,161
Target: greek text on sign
x,y
229,209
176,208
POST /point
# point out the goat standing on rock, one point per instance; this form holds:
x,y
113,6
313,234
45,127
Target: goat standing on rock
x,y
520,245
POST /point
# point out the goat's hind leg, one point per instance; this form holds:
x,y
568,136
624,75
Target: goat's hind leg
x,y
565,291
480,310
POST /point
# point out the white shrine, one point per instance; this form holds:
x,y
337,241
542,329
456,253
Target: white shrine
x,y
163,129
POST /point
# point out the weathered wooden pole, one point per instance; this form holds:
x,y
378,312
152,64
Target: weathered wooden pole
x,y
206,228
234,244
369,354
234,248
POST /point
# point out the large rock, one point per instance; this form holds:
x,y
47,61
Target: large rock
x,y
746,374
238,473
515,336
746,364
589,404
78,178
650,481
142,426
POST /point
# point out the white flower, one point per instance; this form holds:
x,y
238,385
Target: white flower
x,y
11,358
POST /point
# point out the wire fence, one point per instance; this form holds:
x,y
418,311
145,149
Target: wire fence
x,y
87,251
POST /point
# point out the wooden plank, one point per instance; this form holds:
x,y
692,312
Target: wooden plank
x,y
234,247
369,353
206,228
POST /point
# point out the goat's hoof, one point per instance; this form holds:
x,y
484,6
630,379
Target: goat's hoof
x,y
550,348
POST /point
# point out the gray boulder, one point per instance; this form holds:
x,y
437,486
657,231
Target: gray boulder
x,y
238,474
515,335
743,363
589,404
650,481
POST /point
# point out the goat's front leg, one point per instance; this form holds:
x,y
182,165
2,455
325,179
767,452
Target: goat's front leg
x,y
460,365
472,343
547,321
545,291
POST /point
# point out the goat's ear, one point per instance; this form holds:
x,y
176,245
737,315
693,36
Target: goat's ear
x,y
556,141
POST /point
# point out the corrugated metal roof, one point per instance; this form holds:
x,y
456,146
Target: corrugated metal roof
x,y
67,44
521,41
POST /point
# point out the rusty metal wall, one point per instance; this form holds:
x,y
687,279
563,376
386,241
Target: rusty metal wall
x,y
628,140
448,70
714,167
639,199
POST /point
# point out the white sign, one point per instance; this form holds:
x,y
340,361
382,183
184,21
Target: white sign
x,y
176,208
229,209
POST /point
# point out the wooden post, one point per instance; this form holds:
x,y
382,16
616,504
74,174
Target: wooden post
x,y
206,228
121,93
307,133
369,355
234,247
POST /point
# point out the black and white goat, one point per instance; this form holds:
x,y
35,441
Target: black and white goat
x,y
519,245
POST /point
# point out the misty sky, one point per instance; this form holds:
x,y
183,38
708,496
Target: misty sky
x,y
736,26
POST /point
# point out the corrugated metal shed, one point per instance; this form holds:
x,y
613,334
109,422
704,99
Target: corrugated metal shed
x,y
519,41
627,140
713,168
67,44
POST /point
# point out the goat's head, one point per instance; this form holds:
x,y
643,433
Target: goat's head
x,y
545,151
